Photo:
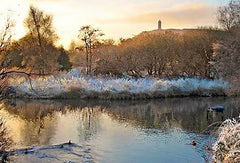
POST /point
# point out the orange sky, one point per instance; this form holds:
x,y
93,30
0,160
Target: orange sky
x,y
118,18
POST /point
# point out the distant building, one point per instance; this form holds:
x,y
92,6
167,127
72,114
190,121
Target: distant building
x,y
177,31
160,30
159,25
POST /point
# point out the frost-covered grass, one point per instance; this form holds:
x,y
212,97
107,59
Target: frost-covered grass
x,y
227,146
76,85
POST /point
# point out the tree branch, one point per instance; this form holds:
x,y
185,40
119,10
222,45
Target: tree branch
x,y
3,74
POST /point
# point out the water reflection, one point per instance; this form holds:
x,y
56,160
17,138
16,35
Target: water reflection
x,y
114,129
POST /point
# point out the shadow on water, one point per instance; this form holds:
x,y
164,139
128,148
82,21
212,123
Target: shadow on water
x,y
46,122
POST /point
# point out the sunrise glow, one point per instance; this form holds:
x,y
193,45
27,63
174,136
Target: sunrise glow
x,y
119,18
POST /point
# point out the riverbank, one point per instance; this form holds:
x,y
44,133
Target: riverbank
x,y
74,85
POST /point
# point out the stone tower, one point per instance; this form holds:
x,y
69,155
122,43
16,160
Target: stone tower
x,y
159,25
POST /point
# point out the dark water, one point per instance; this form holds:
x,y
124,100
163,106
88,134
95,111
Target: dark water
x,y
121,131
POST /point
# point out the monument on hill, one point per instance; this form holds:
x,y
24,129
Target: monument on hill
x,y
159,25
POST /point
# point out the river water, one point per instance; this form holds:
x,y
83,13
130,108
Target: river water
x,y
120,131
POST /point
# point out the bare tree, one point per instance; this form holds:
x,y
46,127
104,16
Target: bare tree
x,y
5,39
5,34
229,16
38,43
91,38
227,51
5,42
40,27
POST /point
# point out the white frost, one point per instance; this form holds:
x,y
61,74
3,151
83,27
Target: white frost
x,y
227,146
55,85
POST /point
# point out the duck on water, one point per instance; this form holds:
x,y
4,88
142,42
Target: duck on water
x,y
216,108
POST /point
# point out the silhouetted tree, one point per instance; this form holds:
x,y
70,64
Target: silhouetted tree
x,y
38,44
91,39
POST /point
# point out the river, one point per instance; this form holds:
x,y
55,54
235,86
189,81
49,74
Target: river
x,y
119,131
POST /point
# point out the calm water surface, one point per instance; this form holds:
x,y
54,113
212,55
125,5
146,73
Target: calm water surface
x,y
120,131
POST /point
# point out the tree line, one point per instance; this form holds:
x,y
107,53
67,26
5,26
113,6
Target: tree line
x,y
207,52
163,54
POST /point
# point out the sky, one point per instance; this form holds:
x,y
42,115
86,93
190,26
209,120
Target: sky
x,y
115,18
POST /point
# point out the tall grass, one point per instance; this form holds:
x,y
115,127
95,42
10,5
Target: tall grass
x,y
76,85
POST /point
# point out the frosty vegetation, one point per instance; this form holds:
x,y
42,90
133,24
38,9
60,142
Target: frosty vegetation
x,y
67,152
227,147
76,85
